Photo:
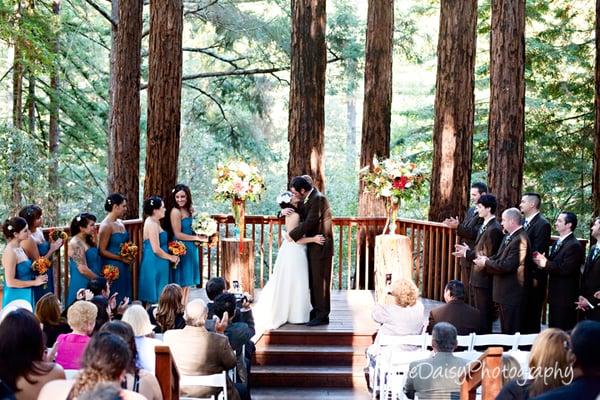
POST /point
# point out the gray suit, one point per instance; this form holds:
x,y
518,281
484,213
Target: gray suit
x,y
437,377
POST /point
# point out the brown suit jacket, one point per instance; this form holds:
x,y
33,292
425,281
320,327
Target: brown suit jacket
x,y
468,230
487,244
316,219
466,319
199,352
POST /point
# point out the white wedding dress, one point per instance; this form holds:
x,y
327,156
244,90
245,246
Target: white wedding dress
x,y
286,296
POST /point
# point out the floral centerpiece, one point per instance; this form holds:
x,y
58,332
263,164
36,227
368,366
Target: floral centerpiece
x,y
205,225
238,181
393,180
41,267
56,234
128,250
110,273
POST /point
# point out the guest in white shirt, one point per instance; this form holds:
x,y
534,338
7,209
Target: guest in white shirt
x,y
137,317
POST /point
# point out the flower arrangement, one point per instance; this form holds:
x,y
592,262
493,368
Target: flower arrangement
x,y
110,273
204,224
41,267
177,248
238,180
56,234
128,250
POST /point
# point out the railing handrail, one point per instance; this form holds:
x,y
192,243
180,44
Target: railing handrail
x,y
167,373
485,372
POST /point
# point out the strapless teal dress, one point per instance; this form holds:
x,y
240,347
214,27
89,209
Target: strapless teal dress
x,y
154,271
123,284
23,272
77,280
187,272
39,291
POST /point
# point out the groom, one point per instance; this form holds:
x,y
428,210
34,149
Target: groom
x,y
316,220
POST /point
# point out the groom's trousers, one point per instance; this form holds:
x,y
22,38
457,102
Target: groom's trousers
x,y
319,279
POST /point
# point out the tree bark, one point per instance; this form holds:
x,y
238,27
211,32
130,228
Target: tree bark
x,y
124,114
17,111
596,166
53,129
164,96
454,110
506,127
377,111
307,91
351,131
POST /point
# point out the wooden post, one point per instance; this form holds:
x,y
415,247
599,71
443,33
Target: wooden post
x,y
393,260
238,265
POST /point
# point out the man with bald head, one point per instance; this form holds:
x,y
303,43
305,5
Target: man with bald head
x,y
508,267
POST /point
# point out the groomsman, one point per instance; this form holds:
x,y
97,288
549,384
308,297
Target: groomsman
x,y
467,232
563,266
590,280
487,243
538,229
508,269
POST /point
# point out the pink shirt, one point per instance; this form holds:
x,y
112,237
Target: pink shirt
x,y
69,350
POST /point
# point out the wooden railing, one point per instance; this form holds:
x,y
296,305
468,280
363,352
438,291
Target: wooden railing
x,y
167,374
485,372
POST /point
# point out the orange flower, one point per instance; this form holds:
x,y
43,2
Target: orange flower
x,y
110,272
41,266
128,250
177,248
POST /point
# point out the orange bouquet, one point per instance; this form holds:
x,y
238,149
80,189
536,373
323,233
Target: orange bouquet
x,y
128,250
177,248
56,234
110,273
41,267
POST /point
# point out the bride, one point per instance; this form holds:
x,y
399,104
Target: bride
x,y
286,296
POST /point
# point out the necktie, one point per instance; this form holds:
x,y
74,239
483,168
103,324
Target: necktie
x,y
596,252
526,224
556,247
482,229
507,239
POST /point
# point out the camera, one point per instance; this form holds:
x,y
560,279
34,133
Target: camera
x,y
240,298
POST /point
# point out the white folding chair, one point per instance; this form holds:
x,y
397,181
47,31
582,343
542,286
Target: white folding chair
x,y
523,358
495,339
524,340
393,377
465,341
216,380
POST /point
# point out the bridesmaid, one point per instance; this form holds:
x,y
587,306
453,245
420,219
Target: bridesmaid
x,y
18,276
180,211
154,271
112,235
84,260
37,246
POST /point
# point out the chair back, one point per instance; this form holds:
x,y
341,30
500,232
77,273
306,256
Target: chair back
x,y
216,380
494,339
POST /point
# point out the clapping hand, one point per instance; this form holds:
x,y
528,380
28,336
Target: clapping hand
x,y
582,303
460,250
451,222
479,262
221,324
84,294
540,259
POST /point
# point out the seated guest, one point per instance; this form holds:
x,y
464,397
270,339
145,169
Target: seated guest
x,y
137,317
69,347
168,314
47,311
216,286
104,312
549,366
462,316
586,365
100,287
439,376
137,379
105,361
189,347
511,369
23,370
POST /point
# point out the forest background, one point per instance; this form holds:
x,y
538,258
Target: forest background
x,y
237,106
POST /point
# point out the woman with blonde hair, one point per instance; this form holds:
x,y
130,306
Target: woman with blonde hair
x,y
169,312
137,317
549,367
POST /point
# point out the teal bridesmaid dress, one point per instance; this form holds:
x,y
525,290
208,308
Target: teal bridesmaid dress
x,y
77,280
123,284
23,272
187,272
154,271
39,291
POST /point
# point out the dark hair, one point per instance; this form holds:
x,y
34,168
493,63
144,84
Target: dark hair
x,y
570,218
97,285
584,338
456,288
47,310
81,221
114,199
12,226
21,348
488,201
214,287
102,317
281,200
150,204
170,204
537,199
30,213
225,302
125,331
480,186
300,182
105,358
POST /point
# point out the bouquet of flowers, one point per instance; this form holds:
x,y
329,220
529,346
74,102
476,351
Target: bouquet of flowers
x,y
204,224
392,179
178,249
56,234
238,180
128,250
41,267
110,273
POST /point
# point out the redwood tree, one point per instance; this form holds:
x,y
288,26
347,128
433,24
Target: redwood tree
x,y
596,172
124,115
307,91
507,102
53,129
164,96
454,109
377,109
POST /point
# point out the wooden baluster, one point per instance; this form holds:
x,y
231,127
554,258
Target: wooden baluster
x,y
349,254
340,257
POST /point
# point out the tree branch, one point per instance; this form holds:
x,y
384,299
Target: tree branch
x,y
102,12
214,100
204,50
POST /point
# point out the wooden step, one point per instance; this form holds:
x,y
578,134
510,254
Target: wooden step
x,y
274,393
318,337
279,354
308,376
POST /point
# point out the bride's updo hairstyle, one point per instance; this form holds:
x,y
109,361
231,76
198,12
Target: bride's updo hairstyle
x,y
285,200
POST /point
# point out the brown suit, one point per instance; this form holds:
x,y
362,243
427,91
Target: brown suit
x,y
466,319
316,219
199,352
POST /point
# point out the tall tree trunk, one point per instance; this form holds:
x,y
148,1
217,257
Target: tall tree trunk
x,y
596,168
124,114
454,109
307,91
377,111
164,96
31,103
507,102
53,129
351,131
17,111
